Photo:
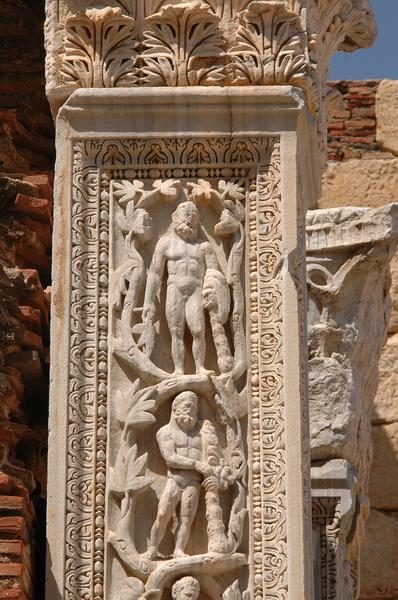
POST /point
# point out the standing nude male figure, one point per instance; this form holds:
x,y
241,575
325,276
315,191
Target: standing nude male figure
x,y
181,447
187,258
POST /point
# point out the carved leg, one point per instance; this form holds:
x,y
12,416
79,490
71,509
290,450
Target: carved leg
x,y
196,323
167,504
188,508
175,315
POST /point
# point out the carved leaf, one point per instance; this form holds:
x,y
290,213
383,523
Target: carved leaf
x,y
135,480
201,191
227,9
120,406
139,409
127,191
168,189
233,592
139,484
128,6
179,40
231,190
99,49
152,6
118,472
270,46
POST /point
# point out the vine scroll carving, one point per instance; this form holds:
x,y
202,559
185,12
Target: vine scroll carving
x,y
173,382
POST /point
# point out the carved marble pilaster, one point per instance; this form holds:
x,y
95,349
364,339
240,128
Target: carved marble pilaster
x,y
348,255
179,353
131,43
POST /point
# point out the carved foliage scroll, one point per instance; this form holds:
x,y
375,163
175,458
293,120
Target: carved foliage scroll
x,y
147,185
268,454
87,387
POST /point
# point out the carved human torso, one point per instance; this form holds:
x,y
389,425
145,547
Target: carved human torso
x,y
187,444
185,263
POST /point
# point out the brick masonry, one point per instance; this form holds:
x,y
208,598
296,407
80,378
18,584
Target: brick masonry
x,y
26,173
352,128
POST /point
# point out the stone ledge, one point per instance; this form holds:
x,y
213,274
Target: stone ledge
x,y
351,226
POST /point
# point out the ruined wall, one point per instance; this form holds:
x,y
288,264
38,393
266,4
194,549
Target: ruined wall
x,y
363,171
26,164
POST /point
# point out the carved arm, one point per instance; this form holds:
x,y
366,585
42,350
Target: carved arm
x,y
155,275
176,461
210,257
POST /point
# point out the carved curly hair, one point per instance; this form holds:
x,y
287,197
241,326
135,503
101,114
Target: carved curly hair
x,y
179,585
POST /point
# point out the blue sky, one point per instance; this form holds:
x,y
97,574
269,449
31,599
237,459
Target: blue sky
x,y
378,62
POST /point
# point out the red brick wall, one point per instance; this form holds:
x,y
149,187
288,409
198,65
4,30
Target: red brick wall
x,y
26,166
352,130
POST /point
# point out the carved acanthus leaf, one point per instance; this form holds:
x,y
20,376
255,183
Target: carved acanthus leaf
x,y
99,49
270,46
179,42
128,474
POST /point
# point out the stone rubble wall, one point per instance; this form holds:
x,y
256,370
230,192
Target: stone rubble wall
x,y
26,173
363,171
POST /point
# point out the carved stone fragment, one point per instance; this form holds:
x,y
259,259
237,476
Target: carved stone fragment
x,y
348,256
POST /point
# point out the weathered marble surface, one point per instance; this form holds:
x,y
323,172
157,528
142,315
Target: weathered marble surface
x,y
180,305
348,256
131,43
185,402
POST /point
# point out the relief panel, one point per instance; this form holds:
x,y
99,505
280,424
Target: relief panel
x,y
161,402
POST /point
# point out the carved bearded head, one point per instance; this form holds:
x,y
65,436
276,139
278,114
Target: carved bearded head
x,y
187,588
141,226
185,410
186,220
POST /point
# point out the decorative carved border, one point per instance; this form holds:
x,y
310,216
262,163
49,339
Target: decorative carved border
x,y
268,417
326,518
86,455
95,164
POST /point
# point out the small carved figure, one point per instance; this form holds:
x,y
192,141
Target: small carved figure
x,y
187,588
138,229
187,259
181,447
